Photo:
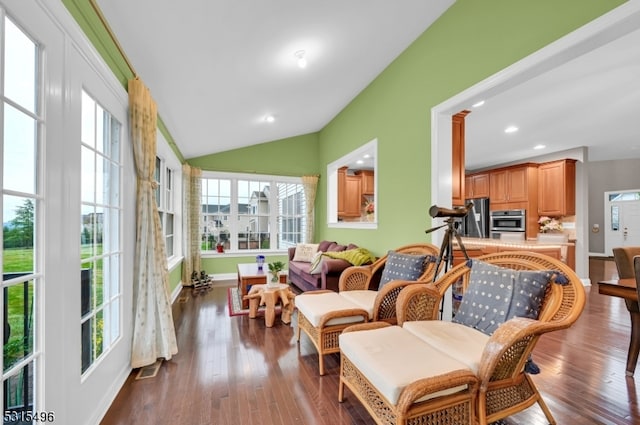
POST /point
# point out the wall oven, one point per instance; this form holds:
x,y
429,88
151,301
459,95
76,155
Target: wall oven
x,y
507,221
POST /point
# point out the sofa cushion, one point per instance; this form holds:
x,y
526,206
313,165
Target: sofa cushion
x,y
401,266
364,299
314,306
305,252
316,263
496,294
463,343
391,358
335,247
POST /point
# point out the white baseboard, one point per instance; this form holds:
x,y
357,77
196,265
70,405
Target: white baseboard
x,y
110,395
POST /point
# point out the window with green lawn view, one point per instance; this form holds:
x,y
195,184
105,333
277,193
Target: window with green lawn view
x,y
250,212
100,231
22,278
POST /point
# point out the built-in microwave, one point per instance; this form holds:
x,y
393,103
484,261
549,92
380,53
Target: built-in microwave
x,y
507,221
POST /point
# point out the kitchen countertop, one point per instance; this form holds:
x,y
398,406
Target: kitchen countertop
x,y
526,244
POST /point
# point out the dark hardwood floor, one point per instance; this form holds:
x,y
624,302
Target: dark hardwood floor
x,y
234,370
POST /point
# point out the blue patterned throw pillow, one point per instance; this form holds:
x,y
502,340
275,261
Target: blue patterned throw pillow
x,y
497,294
402,267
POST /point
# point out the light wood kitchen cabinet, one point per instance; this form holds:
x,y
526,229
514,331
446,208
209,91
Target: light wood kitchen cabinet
x,y
516,187
349,194
557,188
477,186
367,181
513,184
457,159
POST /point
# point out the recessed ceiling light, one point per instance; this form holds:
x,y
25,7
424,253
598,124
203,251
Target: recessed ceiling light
x,y
359,161
511,129
366,156
538,147
478,104
269,118
302,61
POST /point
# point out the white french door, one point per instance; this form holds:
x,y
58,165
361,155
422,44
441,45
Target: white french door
x,y
622,219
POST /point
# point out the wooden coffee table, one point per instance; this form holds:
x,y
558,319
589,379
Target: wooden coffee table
x,y
249,274
269,296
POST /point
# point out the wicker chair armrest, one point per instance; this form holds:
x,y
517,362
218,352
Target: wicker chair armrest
x,y
418,302
366,326
384,307
422,387
318,292
342,313
509,347
355,278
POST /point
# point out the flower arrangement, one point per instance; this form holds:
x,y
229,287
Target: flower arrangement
x,y
369,208
549,224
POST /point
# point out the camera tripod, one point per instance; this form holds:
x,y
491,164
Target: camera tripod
x,y
446,248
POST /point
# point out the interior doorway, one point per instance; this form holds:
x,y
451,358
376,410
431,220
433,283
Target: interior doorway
x,y
622,219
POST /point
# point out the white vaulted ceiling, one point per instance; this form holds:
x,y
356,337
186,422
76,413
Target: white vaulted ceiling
x,y
218,68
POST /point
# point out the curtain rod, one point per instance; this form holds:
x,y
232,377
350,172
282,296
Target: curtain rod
x,y
106,26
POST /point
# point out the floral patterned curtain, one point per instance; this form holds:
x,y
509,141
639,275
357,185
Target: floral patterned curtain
x,y
310,184
191,186
153,333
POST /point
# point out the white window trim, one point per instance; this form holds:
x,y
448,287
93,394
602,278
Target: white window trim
x,y
234,177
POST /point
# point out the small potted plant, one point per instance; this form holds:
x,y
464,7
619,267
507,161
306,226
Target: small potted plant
x,y
275,268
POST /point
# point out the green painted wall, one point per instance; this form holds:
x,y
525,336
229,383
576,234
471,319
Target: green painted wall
x,y
294,156
175,278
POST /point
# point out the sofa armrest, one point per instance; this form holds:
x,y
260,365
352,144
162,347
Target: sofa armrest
x,y
292,252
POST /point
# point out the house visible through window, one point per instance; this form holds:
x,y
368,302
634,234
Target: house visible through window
x,y
22,207
251,213
100,223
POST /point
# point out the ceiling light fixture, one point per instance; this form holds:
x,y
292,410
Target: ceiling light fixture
x,y
302,61
478,104
538,147
269,118
511,129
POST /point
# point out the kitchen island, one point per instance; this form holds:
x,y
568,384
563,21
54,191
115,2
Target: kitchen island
x,y
564,251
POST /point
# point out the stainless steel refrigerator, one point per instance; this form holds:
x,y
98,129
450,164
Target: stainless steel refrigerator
x,y
476,223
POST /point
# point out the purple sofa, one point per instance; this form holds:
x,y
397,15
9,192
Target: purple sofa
x,y
331,269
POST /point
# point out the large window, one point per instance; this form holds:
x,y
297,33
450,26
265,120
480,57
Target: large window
x,y
241,213
21,219
165,200
100,230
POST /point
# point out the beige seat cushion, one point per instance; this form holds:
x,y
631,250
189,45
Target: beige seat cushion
x,y
391,358
362,298
461,342
314,306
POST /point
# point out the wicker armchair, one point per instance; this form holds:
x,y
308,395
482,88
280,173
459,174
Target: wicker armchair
x,y
354,303
505,388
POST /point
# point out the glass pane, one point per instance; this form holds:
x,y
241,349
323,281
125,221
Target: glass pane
x,y
86,277
99,231
169,245
100,179
18,234
114,139
19,330
113,276
98,283
100,135
87,234
19,151
88,135
615,218
88,175
97,334
114,186
86,341
20,67
18,393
